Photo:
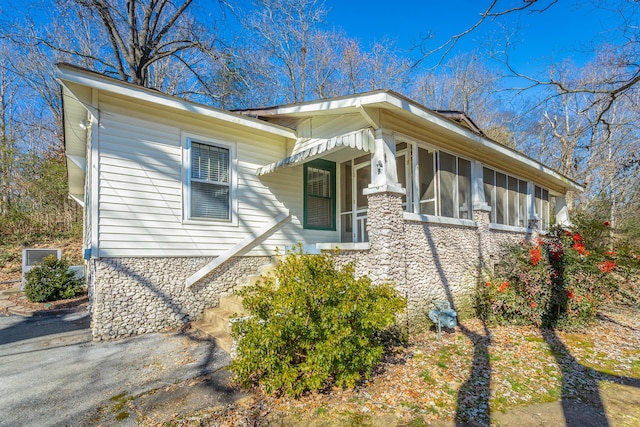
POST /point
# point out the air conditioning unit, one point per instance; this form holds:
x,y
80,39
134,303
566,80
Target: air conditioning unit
x,y
32,257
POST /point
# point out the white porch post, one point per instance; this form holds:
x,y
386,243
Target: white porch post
x,y
385,224
562,211
384,172
477,184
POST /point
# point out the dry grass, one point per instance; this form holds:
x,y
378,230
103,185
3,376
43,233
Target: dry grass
x,y
471,373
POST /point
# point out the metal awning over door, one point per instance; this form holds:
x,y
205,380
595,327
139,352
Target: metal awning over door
x,y
362,139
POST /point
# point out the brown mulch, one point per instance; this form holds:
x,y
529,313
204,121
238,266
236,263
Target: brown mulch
x,y
9,285
79,303
469,374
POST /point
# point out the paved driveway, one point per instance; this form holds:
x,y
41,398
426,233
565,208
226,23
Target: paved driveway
x,y
52,374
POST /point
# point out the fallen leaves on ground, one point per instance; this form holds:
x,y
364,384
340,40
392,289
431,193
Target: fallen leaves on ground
x,y
469,373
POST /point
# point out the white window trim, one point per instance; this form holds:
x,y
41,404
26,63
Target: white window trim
x,y
406,152
539,215
445,220
187,139
456,195
512,228
413,168
528,214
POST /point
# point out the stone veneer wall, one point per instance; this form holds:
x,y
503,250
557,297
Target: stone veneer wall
x,y
427,261
131,296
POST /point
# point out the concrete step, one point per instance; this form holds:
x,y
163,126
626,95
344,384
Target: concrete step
x,y
218,318
221,338
215,323
265,271
11,291
232,304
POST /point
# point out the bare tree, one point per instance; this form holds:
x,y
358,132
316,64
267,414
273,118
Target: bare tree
x,y
283,32
465,83
154,43
289,56
585,117
377,67
8,149
491,13
574,139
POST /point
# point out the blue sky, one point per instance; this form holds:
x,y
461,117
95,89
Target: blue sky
x,y
564,30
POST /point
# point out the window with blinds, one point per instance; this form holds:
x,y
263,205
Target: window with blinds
x,y
210,182
319,195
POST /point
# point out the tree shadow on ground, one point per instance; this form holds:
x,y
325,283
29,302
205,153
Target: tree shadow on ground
x,y
473,396
579,382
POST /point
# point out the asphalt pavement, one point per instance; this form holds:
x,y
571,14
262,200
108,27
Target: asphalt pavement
x,y
52,374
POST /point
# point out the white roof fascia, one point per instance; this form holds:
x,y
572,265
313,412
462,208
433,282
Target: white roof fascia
x,y
66,73
430,116
328,105
487,143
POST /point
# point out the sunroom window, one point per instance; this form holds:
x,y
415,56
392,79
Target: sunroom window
x,y
441,184
427,181
507,197
542,207
454,174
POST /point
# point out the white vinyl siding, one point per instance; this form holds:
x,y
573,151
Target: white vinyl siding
x,y
141,186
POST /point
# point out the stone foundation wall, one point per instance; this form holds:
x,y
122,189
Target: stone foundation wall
x,y
442,265
131,296
427,261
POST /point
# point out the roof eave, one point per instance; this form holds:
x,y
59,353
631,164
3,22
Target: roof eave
x,y
394,101
94,80
75,142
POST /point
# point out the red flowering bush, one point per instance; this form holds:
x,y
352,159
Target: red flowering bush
x,y
559,281
606,266
521,289
535,255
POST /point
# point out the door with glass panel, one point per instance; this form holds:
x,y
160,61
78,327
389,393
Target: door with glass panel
x,y
355,176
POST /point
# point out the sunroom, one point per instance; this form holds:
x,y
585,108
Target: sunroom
x,y
437,188
440,162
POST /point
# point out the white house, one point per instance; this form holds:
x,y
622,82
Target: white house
x,y
182,200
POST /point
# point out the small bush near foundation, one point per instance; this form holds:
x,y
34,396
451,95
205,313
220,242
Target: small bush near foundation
x,y
560,281
51,281
312,326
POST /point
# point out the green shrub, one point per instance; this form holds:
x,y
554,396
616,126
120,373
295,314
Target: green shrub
x,y
312,326
51,281
560,281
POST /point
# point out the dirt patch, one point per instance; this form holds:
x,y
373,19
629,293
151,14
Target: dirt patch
x,y
620,407
178,402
